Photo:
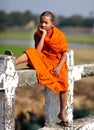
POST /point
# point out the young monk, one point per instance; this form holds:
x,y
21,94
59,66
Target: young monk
x,y
49,59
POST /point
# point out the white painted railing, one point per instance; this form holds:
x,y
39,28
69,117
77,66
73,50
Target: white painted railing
x,y
11,78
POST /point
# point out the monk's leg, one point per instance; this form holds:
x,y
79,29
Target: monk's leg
x,y
63,103
21,59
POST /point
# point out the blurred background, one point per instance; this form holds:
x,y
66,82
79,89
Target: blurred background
x,y
18,23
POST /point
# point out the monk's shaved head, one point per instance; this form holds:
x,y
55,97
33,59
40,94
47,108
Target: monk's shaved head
x,y
50,14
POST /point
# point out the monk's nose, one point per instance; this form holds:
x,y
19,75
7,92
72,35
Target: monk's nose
x,y
43,24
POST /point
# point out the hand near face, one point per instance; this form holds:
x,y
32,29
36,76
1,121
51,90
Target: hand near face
x,y
43,31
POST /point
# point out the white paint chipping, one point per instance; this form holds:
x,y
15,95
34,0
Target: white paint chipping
x,y
77,72
9,82
9,78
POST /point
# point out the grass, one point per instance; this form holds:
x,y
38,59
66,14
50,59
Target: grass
x,y
23,34
80,55
82,38
29,36
16,49
16,35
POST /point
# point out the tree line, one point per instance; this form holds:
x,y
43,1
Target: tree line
x,y
21,19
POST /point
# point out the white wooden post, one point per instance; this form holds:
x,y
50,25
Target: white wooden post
x,y
52,100
70,62
1,109
8,83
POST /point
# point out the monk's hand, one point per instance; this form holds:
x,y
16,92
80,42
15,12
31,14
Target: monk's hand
x,y
57,71
44,32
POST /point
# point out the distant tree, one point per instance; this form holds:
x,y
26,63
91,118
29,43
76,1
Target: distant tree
x,y
63,21
16,19
3,18
88,22
2,27
3,21
76,20
22,18
36,18
27,16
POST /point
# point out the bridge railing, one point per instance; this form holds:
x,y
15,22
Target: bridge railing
x,y
10,79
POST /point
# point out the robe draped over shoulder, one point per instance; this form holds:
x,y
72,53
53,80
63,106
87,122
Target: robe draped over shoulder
x,y
45,61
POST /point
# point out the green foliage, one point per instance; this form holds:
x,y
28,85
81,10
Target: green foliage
x,y
16,49
80,38
88,22
2,28
76,20
23,34
17,33
21,19
17,18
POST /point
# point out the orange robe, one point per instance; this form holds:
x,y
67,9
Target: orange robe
x,y
45,61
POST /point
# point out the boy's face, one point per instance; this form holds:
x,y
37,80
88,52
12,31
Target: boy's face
x,y
46,23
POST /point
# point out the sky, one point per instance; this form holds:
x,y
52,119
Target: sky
x,y
58,7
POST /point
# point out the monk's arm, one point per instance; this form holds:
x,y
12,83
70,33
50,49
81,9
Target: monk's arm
x,y
40,42
63,59
57,69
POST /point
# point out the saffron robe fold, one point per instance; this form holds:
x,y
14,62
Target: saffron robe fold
x,y
45,61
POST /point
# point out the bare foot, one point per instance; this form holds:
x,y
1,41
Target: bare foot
x,y
62,117
63,122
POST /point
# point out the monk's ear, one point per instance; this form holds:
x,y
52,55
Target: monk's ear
x,y
53,23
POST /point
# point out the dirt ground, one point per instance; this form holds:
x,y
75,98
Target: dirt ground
x,y
83,56
31,99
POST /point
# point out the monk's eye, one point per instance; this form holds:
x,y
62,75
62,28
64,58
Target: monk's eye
x,y
46,23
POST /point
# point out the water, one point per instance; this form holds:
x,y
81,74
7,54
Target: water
x,y
31,43
81,45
